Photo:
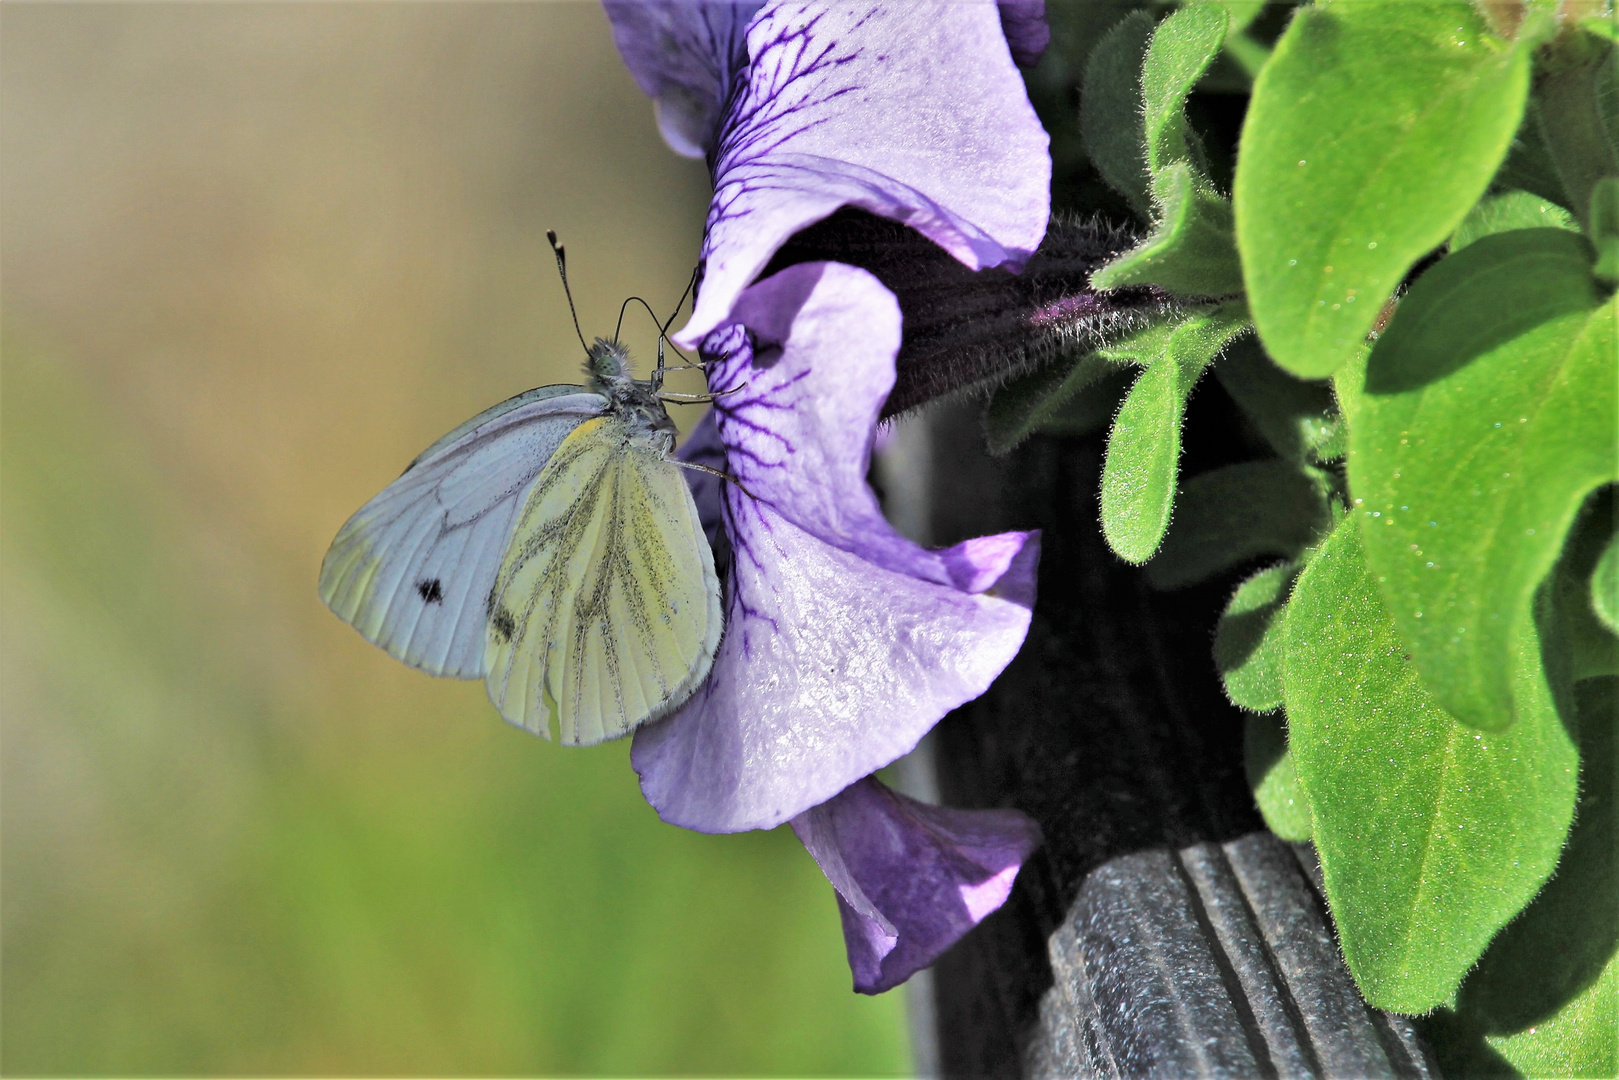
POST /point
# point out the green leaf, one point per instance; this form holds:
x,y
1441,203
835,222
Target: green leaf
x,y
1230,515
1143,449
1577,1040
1605,586
1605,228
1372,131
1432,835
1331,443
1242,12
1587,648
1022,406
1274,781
1092,409
1248,643
1190,250
1110,109
1294,416
1602,26
1545,995
1508,211
1488,415
1138,474
1183,47
1578,72
1529,164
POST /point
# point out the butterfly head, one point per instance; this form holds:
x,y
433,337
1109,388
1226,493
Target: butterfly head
x,y
607,363
607,372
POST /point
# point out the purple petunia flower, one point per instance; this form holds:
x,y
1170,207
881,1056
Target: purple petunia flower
x,y
912,111
911,878
844,642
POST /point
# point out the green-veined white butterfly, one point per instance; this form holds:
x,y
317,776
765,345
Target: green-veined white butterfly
x,y
549,546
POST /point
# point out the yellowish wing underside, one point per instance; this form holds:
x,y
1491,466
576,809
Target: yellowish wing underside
x,y
606,610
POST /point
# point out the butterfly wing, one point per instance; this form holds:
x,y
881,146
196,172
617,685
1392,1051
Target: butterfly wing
x,y
606,610
412,569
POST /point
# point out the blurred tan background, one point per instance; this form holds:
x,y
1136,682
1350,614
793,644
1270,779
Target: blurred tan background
x,y
254,257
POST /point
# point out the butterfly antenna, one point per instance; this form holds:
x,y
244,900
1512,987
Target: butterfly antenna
x,y
562,269
663,334
691,283
663,328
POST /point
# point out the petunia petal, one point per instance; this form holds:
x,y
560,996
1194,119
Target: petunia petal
x,y
911,878
844,641
684,56
1027,32
914,112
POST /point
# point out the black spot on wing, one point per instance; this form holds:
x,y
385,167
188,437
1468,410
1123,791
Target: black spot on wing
x,y
505,626
431,590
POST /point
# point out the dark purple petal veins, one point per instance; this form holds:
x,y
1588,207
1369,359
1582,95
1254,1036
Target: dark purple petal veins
x,y
913,112
911,879
844,641
685,56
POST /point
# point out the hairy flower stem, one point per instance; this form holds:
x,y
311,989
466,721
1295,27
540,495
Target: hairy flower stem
x,y
969,330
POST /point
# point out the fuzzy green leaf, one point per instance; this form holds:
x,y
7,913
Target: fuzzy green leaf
x,y
1579,132
1545,995
1183,46
1605,228
1576,1040
1588,647
1248,643
1242,12
1432,835
1488,415
1332,443
1274,781
1110,109
1230,515
1092,409
1294,416
1602,26
1023,406
1190,250
1143,449
1138,475
1507,211
1529,164
1373,130
1605,586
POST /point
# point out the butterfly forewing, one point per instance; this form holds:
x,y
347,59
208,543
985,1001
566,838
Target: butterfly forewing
x,y
413,568
606,610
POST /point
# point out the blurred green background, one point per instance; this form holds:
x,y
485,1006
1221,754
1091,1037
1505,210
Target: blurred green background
x,y
256,257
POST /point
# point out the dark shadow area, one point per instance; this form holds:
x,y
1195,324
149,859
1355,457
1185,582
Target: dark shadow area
x,y
1110,728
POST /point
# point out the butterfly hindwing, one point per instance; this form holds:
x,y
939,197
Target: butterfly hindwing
x,y
606,610
413,568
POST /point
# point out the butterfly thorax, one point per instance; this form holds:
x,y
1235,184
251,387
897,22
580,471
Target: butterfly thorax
x,y
634,402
